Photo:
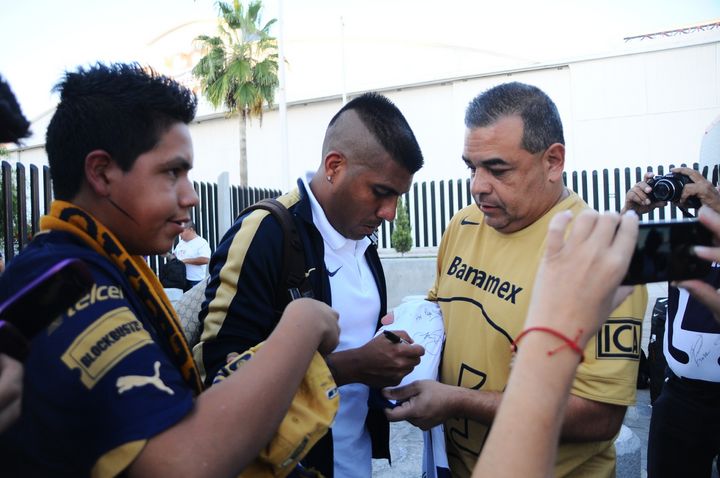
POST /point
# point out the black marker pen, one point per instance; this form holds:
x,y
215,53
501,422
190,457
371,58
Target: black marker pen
x,y
394,338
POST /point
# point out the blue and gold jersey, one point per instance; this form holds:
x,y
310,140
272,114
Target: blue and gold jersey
x,y
97,384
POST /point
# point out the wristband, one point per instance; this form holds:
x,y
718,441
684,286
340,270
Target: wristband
x,y
568,341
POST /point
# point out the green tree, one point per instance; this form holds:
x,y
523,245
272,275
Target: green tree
x,y
239,69
401,236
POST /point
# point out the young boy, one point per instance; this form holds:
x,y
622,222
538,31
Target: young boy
x,y
110,386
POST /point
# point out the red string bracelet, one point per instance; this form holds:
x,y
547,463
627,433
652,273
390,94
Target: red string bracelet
x,y
568,341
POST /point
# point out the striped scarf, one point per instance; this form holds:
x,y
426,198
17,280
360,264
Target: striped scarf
x,y
67,217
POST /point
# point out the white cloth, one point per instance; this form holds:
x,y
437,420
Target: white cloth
x,y
435,464
356,298
423,322
197,247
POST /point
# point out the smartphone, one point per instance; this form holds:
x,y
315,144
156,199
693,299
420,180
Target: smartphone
x,y
37,304
663,252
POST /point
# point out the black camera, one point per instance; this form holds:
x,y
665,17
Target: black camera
x,y
670,187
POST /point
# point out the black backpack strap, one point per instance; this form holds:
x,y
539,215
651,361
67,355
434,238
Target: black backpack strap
x,y
293,275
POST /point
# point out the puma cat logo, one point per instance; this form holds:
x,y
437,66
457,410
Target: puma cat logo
x,y
131,381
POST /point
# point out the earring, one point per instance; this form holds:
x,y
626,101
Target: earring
x,y
329,178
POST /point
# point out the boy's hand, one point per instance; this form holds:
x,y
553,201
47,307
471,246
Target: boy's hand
x,y
321,318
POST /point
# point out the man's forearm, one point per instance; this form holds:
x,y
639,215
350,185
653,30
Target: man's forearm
x,y
479,406
197,261
344,366
587,420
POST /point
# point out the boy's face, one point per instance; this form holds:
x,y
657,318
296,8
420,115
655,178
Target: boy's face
x,y
155,194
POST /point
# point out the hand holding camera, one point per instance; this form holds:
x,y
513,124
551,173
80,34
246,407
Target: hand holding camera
x,y
685,187
697,191
664,249
671,188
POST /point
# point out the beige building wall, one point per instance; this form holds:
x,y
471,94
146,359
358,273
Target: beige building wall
x,y
639,109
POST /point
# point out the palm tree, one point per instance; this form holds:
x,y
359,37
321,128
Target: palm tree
x,y
239,69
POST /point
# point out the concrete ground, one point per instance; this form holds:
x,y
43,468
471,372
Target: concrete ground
x,y
406,441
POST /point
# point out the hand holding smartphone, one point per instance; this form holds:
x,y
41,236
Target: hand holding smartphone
x,y
36,305
663,252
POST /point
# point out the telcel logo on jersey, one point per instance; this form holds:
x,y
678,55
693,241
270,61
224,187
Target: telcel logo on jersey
x,y
96,294
619,338
482,280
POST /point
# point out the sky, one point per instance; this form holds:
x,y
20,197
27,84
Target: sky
x,y
331,45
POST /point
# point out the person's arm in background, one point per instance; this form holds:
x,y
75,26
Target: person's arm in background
x,y
197,261
699,289
234,419
11,377
588,267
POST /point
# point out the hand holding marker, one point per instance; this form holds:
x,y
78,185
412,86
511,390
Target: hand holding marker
x,y
394,338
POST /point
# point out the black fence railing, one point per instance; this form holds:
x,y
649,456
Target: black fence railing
x,y
430,204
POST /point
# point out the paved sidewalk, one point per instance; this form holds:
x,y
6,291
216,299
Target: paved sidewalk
x,y
406,441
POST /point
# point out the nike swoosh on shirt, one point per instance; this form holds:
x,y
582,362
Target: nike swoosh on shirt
x,y
331,274
465,222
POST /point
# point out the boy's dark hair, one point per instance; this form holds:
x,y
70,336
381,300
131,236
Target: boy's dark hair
x,y
122,109
13,125
389,127
540,116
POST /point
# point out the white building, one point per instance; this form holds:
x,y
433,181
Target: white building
x,y
648,106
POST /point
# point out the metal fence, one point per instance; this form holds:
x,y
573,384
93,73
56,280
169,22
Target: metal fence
x,y
430,204
30,198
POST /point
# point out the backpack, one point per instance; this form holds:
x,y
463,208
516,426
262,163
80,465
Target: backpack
x,y
172,274
296,283
292,274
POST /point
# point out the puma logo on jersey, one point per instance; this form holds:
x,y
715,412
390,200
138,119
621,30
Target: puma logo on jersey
x,y
131,381
482,280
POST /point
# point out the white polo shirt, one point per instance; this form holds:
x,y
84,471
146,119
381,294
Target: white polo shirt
x,y
355,296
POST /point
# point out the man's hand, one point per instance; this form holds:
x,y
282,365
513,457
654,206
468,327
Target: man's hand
x,y
424,403
379,363
699,289
700,188
637,198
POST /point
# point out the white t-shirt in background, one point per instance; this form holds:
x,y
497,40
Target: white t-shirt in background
x,y
197,247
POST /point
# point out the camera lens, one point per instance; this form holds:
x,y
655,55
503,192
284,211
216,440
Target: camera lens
x,y
663,190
